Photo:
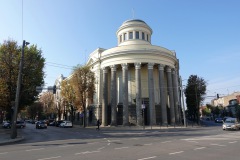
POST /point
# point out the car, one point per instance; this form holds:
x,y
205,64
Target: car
x,y
6,125
20,124
57,123
41,124
53,123
218,120
66,124
231,124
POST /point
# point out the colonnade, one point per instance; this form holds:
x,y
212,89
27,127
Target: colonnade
x,y
168,87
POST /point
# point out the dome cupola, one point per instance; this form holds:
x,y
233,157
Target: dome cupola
x,y
134,31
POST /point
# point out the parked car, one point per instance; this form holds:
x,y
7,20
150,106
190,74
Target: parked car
x,y
66,124
6,125
58,123
219,120
53,123
20,124
41,124
231,124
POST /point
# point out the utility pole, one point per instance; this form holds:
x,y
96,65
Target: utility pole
x,y
14,118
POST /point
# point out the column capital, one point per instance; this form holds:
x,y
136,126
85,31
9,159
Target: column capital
x,y
124,66
113,67
105,70
169,69
150,65
137,65
161,67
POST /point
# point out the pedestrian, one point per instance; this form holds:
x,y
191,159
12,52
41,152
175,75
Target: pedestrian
x,y
98,124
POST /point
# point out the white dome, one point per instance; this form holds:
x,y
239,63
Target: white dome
x,y
134,31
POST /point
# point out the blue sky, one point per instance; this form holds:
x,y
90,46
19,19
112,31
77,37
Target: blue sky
x,y
204,33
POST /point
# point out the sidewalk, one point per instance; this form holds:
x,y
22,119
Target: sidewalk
x,y
5,137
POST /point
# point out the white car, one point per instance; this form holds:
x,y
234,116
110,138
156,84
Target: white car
x,y
231,123
66,124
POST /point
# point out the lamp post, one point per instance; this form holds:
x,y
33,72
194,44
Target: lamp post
x,y
14,118
183,105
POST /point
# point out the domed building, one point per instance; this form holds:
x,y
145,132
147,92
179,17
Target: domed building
x,y
136,82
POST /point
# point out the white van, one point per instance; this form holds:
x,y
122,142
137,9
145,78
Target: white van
x,y
66,124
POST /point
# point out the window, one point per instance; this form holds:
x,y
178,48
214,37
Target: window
x,y
125,36
130,35
143,36
120,38
147,37
137,35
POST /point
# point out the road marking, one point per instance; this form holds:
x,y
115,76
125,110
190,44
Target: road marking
x,y
199,148
87,152
101,148
193,141
149,144
4,153
147,158
50,158
34,149
66,146
166,142
218,145
93,143
134,138
121,148
233,142
176,152
108,144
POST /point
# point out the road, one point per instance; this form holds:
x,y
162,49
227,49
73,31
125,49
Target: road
x,y
88,144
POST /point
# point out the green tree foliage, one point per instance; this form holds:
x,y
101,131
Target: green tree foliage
x,y
194,92
33,75
35,110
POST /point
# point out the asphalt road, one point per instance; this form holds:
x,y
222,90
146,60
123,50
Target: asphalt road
x,y
112,144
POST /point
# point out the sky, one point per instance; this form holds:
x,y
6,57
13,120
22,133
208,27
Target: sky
x,y
205,34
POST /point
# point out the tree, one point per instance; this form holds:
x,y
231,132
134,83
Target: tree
x,y
35,110
48,104
33,74
83,82
194,92
68,96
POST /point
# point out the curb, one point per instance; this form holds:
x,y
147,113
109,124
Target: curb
x,y
10,141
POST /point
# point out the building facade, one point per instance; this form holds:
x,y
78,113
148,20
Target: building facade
x,y
136,82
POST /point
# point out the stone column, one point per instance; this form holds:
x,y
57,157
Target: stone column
x,y
175,93
138,93
152,111
162,89
113,96
170,93
125,93
105,97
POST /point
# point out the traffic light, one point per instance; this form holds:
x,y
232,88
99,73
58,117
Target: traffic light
x,y
54,89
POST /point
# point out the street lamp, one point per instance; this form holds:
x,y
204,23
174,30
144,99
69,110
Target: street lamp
x,y
14,118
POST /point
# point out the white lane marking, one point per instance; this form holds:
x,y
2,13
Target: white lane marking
x,y
34,149
50,158
100,148
66,146
193,141
233,142
217,145
147,158
149,144
199,148
93,143
134,138
87,152
4,153
176,152
166,142
108,140
108,144
121,148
